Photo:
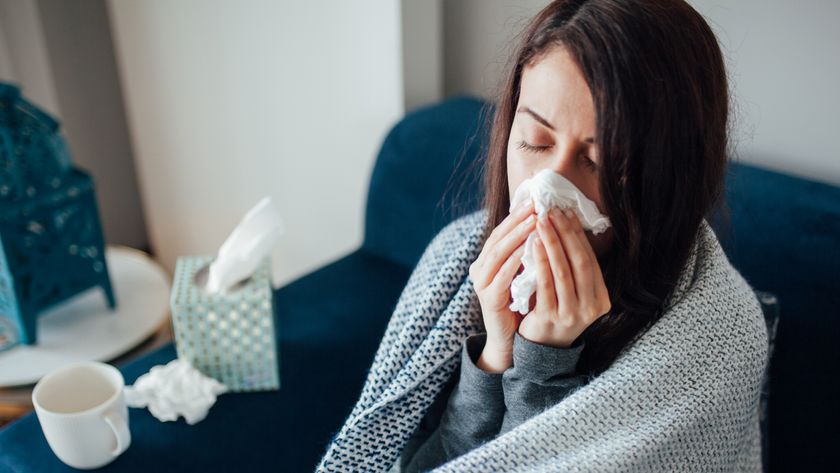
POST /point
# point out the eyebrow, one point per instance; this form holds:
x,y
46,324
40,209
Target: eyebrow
x,y
543,121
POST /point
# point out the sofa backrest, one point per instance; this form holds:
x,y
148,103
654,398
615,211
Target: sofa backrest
x,y
425,176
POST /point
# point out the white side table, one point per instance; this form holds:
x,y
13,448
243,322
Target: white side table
x,y
84,329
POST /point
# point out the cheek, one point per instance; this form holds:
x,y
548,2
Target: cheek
x,y
517,170
512,173
511,156
515,176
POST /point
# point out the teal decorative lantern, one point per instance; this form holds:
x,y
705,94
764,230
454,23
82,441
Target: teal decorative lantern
x,y
51,244
228,336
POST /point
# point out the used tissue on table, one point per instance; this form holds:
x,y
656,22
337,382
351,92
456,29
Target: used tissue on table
x,y
549,189
173,390
227,331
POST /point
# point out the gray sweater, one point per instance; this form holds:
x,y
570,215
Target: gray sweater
x,y
476,406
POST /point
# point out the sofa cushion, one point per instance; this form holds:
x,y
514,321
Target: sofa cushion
x,y
329,324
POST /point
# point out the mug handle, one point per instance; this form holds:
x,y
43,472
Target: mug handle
x,y
120,428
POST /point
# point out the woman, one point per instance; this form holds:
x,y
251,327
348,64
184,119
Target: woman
x,y
644,349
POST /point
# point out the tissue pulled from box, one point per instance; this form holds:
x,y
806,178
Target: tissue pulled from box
x,y
251,240
175,389
549,189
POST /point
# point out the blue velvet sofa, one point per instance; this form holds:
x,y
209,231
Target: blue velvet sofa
x,y
784,237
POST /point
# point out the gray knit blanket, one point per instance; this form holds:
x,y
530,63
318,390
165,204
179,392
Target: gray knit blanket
x,y
683,397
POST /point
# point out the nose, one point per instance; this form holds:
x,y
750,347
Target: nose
x,y
565,160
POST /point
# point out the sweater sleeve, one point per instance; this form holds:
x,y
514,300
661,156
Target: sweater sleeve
x,y
473,413
541,376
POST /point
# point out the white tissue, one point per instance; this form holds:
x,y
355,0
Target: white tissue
x,y
251,240
175,389
548,189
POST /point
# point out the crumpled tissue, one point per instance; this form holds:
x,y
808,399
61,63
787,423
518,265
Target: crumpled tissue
x,y
175,389
241,253
549,189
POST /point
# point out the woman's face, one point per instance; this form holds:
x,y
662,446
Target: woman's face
x,y
554,128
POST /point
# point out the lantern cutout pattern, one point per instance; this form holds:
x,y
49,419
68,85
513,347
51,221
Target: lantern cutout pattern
x,y
51,242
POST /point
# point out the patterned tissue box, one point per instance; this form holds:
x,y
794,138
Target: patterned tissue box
x,y
230,336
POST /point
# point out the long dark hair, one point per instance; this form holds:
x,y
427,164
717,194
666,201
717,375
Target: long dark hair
x,y
659,85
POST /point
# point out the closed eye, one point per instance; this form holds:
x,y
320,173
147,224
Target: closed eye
x,y
532,148
539,149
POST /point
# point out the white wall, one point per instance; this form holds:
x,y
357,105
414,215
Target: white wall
x,y
781,56
478,40
23,53
7,67
422,55
231,101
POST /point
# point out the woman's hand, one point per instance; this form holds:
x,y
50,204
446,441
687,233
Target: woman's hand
x,y
492,273
571,293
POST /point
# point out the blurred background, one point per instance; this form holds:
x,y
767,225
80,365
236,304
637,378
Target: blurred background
x,y
187,112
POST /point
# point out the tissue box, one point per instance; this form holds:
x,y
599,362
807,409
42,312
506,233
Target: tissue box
x,y
230,336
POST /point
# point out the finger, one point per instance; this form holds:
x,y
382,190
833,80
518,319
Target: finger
x,y
600,287
575,243
600,304
514,218
509,223
602,295
501,283
564,283
578,227
601,292
546,297
501,251
598,277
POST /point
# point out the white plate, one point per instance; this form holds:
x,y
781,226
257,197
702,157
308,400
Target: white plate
x,y
84,329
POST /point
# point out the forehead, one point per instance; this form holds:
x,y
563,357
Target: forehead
x,y
554,87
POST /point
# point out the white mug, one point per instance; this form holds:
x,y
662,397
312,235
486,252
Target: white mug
x,y
82,411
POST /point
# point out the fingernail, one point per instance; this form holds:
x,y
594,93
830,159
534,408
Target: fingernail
x,y
568,213
529,220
